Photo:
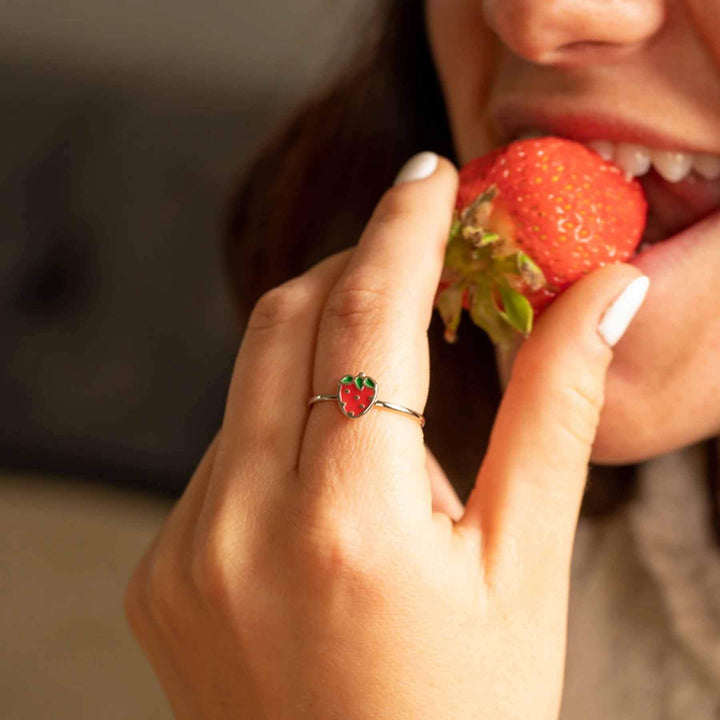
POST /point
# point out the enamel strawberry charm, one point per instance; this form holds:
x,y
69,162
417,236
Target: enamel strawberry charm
x,y
356,395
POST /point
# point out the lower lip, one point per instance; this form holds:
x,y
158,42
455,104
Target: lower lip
x,y
680,205
663,257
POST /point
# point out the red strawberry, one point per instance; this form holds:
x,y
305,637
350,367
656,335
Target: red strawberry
x,y
531,219
356,395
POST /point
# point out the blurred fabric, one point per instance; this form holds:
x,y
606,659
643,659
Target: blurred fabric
x,y
123,128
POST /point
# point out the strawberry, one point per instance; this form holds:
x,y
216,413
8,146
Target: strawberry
x,y
356,395
532,218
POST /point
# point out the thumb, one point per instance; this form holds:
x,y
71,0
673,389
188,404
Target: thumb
x,y
529,488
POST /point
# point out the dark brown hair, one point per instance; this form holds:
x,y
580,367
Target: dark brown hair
x,y
310,190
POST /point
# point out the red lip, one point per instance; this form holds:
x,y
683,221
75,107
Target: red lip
x,y
662,259
511,117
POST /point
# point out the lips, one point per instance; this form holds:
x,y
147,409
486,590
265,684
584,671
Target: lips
x,y
673,207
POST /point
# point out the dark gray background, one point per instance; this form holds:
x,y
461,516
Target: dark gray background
x,y
123,127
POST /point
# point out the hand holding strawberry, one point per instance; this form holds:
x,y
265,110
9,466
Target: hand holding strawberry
x,y
530,220
309,571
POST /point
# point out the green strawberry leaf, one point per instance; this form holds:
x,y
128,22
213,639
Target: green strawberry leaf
x,y
489,238
475,216
504,265
478,237
485,314
455,229
529,271
518,311
347,379
519,264
359,382
369,383
449,305
463,258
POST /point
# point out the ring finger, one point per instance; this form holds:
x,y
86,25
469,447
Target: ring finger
x,y
266,407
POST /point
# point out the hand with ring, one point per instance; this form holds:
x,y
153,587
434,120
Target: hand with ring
x,y
318,564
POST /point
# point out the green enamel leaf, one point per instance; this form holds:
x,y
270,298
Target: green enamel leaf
x,y
369,383
518,311
347,379
359,382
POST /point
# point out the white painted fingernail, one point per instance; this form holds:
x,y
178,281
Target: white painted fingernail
x,y
619,315
418,167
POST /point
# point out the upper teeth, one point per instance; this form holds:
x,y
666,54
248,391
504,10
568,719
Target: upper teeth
x,y
635,160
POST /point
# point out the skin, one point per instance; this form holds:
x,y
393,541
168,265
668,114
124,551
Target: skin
x,y
312,568
649,57
320,567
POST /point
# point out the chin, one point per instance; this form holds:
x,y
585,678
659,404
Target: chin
x,y
619,441
662,387
637,424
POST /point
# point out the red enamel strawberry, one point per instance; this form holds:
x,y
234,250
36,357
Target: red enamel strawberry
x,y
531,219
356,394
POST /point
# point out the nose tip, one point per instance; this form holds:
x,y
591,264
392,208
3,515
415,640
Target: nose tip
x,y
574,32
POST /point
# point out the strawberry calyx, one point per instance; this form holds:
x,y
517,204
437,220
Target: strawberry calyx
x,y
487,273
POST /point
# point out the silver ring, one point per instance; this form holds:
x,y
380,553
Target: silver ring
x,y
358,394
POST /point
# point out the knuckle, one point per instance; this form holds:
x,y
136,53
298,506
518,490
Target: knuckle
x,y
580,403
212,574
162,589
280,306
398,204
572,400
331,549
336,559
362,301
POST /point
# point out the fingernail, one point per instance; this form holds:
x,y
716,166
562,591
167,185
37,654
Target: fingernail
x,y
619,315
418,167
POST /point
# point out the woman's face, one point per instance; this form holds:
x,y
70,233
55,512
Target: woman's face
x,y
636,72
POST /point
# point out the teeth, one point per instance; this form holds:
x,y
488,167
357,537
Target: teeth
x,y
636,160
673,166
604,148
708,166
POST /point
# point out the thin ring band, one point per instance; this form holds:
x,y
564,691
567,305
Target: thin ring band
x,y
361,383
378,403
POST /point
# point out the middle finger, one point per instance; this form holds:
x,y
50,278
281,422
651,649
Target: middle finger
x,y
375,321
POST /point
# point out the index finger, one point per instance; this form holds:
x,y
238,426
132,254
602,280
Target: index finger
x,y
375,321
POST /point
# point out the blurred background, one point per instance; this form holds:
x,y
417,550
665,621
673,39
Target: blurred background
x,y
124,126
